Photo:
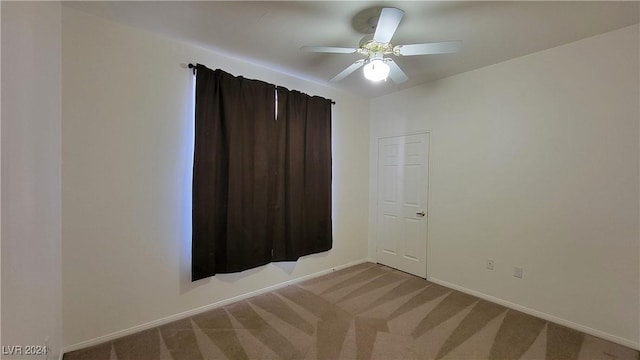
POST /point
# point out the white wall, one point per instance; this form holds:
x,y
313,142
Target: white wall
x,y
127,133
31,166
1,176
534,163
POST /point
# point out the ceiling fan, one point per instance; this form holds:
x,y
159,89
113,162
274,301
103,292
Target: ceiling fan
x,y
376,66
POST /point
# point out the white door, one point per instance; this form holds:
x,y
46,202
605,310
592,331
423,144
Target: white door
x,y
402,203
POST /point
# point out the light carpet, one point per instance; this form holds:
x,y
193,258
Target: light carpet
x,y
367,311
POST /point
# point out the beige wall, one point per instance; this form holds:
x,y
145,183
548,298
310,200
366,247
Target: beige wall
x,y
127,159
31,185
534,163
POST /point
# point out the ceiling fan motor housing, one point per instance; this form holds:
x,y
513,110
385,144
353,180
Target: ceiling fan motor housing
x,y
371,47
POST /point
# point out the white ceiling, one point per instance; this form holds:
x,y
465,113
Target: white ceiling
x,y
271,33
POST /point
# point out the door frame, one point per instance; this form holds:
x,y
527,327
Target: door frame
x,y
374,216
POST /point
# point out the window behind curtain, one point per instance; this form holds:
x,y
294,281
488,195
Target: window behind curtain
x,y
304,222
261,188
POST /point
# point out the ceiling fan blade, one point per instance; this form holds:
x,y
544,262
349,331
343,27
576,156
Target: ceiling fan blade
x,y
444,47
346,72
395,73
328,49
387,24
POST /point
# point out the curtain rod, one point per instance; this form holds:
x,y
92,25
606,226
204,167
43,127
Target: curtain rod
x,y
191,66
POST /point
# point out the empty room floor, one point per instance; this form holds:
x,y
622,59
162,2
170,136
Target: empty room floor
x,y
367,311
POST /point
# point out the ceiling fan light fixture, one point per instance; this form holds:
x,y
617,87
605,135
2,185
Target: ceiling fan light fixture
x,y
376,70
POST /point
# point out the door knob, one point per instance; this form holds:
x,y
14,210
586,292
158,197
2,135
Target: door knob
x,y
421,213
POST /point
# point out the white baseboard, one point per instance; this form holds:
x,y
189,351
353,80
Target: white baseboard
x,y
542,315
196,311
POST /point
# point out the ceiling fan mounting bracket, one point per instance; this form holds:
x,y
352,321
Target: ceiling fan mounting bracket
x,y
366,20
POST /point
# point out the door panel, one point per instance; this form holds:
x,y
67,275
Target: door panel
x,y
402,199
389,226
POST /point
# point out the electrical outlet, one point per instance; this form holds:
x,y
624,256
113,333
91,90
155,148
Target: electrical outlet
x,y
490,264
517,272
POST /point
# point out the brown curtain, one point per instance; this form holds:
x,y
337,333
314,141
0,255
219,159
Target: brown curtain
x,y
234,122
303,204
261,185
